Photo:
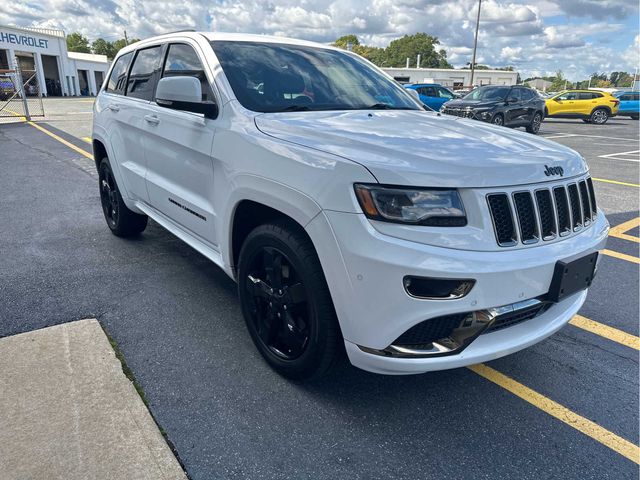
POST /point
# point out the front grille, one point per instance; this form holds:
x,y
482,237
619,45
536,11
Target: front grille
x,y
458,112
542,214
509,319
420,336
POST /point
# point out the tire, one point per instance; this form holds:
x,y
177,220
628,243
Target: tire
x,y
286,303
536,121
121,221
599,116
498,119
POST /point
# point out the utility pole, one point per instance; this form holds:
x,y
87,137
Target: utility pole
x,y
475,44
126,40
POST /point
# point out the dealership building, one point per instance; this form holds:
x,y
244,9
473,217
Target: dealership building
x,y
43,51
454,78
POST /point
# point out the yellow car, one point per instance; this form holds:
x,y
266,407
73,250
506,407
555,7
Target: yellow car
x,y
590,105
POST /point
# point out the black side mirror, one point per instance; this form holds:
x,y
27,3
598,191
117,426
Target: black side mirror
x,y
512,100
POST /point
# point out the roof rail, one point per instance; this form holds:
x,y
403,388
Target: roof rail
x,y
180,31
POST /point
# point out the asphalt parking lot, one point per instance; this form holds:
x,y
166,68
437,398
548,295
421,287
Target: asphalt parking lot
x,y
565,408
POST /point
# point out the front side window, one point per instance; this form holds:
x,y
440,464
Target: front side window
x,y
488,93
118,78
142,77
568,96
268,77
444,93
182,60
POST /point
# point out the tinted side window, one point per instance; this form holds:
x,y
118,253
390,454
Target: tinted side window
x,y
142,76
515,93
118,78
568,96
183,60
430,92
585,96
624,97
527,94
636,96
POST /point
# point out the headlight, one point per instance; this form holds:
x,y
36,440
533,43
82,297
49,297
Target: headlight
x,y
429,206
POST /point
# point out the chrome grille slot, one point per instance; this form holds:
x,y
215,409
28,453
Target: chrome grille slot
x,y
592,196
548,228
576,212
562,208
526,217
502,219
586,203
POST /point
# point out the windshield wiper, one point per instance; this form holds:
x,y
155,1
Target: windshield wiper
x,y
379,106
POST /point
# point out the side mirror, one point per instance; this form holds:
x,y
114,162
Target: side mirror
x,y
557,100
414,94
184,93
512,100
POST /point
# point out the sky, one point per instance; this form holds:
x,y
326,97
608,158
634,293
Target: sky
x,y
537,37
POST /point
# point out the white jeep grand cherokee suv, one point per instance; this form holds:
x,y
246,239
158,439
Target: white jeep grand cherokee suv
x,y
350,217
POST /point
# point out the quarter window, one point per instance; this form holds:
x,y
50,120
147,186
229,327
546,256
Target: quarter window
x,y
183,60
142,77
118,78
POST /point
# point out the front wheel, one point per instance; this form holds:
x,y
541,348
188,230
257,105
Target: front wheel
x,y
534,126
121,221
286,303
498,119
599,116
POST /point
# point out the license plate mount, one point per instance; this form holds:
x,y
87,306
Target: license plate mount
x,y
571,277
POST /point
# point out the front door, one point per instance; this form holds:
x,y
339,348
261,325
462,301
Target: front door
x,y
178,148
565,104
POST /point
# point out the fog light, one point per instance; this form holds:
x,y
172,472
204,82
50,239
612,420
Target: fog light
x,y
437,288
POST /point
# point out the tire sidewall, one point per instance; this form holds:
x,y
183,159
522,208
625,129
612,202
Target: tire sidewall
x,y
592,117
501,117
303,366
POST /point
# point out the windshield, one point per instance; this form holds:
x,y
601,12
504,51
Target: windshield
x,y
268,77
488,93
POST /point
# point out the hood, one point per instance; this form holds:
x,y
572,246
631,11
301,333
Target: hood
x,y
462,103
422,148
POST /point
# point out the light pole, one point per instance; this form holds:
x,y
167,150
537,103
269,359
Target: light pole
x,y
475,43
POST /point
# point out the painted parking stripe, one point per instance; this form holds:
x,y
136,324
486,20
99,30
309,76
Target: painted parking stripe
x,y
619,230
562,413
621,256
630,152
62,140
606,331
616,182
87,139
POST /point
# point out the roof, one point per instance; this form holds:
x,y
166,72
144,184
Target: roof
x,y
88,57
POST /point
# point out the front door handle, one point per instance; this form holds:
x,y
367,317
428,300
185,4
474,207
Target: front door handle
x,y
113,107
152,119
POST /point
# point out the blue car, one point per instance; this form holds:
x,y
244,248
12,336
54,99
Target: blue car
x,y
629,104
432,94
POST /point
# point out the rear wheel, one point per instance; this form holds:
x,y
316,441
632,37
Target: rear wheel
x,y
635,117
498,119
536,121
599,116
121,221
286,303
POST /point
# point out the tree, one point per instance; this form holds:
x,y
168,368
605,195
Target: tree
x,y
103,47
76,42
410,46
558,82
345,40
621,79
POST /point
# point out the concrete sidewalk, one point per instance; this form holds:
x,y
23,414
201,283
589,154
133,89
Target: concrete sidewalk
x,y
68,412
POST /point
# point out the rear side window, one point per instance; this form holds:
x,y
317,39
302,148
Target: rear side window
x,y
625,97
118,78
183,60
635,96
527,94
142,77
516,93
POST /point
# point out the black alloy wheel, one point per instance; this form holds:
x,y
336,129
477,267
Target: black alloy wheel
x,y
286,302
534,126
120,220
498,119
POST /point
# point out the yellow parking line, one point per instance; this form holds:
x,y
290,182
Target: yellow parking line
x,y
562,413
621,256
616,182
87,139
606,331
618,231
62,140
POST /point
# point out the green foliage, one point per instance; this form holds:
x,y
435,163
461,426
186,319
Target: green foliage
x,y
76,42
102,47
397,52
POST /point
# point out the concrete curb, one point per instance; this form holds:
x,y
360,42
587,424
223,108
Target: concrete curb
x,y
67,411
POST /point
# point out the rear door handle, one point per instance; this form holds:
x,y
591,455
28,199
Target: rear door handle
x,y
152,119
114,108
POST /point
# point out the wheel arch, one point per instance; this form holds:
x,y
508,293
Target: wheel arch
x,y
601,107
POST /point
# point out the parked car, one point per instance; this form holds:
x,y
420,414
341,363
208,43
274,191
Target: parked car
x,y
514,106
432,95
351,218
589,105
629,104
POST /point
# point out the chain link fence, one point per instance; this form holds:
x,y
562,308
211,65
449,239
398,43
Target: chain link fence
x,y
20,94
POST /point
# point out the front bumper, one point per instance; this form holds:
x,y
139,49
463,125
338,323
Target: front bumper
x,y
365,271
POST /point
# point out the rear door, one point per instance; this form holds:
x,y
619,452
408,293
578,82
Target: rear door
x,y
587,101
529,105
180,167
514,110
